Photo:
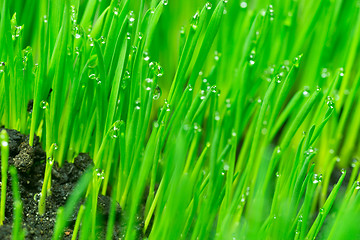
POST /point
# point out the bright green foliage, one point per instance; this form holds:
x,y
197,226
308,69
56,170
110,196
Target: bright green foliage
x,y
234,125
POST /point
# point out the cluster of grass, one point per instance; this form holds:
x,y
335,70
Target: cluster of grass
x,y
237,138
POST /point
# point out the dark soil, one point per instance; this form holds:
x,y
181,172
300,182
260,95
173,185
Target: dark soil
x,y
30,163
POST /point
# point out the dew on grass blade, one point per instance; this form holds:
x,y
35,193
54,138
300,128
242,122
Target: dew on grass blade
x,y
125,79
131,18
167,106
37,197
217,56
157,93
325,73
228,103
296,61
217,116
243,4
306,92
148,84
190,88
330,102
252,58
165,2
2,67
99,173
146,56
315,179
116,11
343,171
208,5
354,163
102,40
357,185
137,104
43,104
156,124
271,12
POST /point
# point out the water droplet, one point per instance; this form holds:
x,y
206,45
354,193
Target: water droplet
x,y
306,92
271,12
43,104
341,72
217,56
37,197
318,88
321,211
55,146
243,4
277,174
325,73
252,58
148,84
315,179
131,18
125,79
357,185
296,61
165,2
330,102
331,151
208,5
102,40
228,103
157,93
4,143
226,167
343,171
99,173
156,124
190,88
137,104
263,131
217,116
354,163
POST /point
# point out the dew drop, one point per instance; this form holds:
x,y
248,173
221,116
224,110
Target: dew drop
x,y
243,4
137,104
43,104
330,102
208,5
148,84
325,73
157,93
306,92
357,185
125,79
217,116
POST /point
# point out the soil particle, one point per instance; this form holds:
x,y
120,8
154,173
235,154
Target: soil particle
x,y
30,163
